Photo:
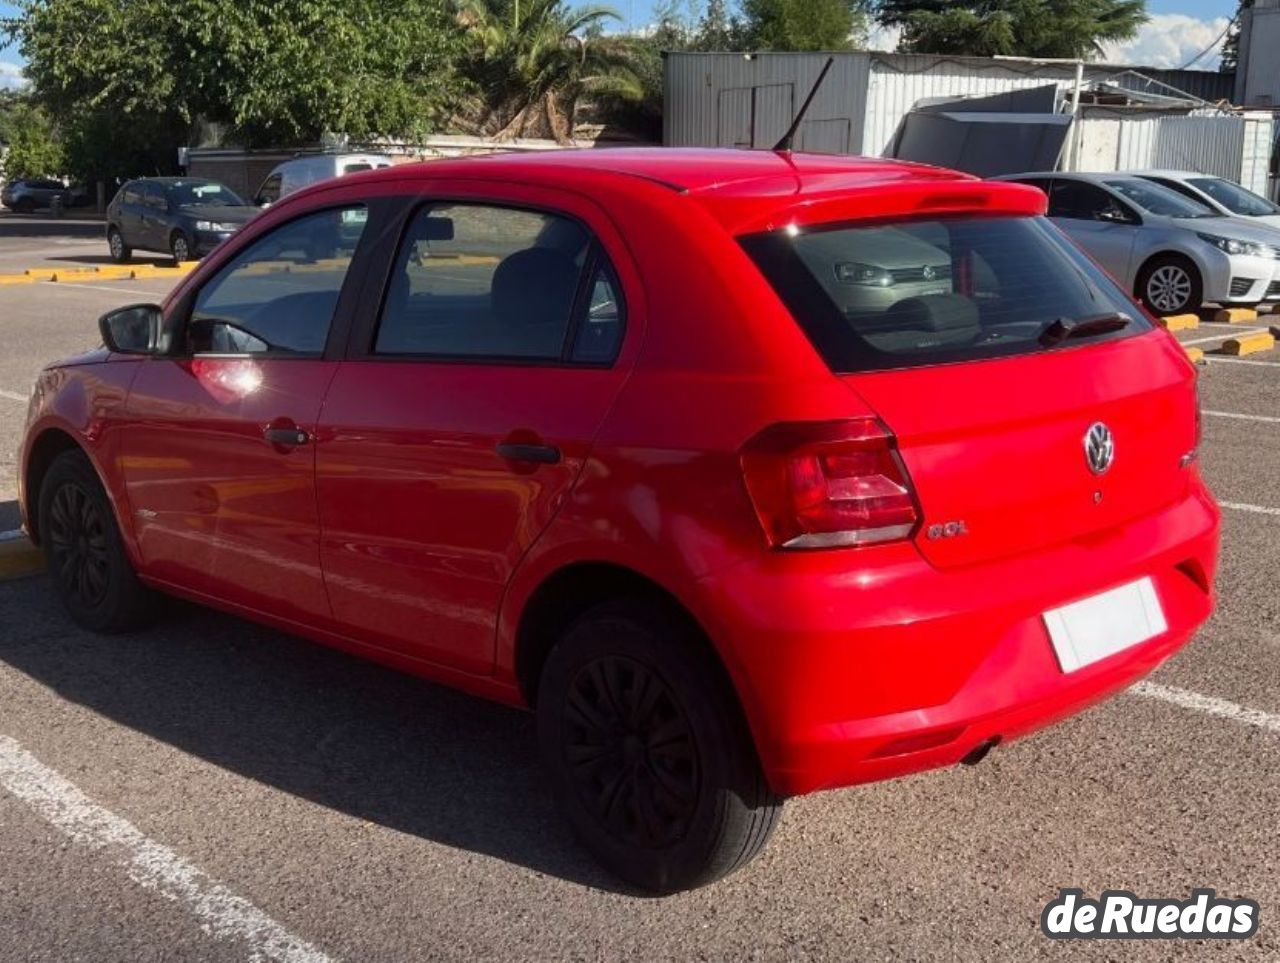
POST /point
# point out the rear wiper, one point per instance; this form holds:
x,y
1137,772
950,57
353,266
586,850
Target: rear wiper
x,y
1064,328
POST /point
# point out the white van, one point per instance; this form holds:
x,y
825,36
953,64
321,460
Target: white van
x,y
295,174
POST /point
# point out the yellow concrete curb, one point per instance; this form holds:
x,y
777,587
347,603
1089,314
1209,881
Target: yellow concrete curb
x,y
111,272
1249,343
1235,315
1180,322
19,558
1196,355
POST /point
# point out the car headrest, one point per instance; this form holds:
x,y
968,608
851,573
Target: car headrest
x,y
535,286
935,312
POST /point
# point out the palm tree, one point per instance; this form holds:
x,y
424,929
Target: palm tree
x,y
533,60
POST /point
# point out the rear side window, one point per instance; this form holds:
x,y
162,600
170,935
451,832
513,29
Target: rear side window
x,y
893,295
482,282
269,192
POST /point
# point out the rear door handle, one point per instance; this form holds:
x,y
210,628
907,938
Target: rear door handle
x,y
286,437
539,454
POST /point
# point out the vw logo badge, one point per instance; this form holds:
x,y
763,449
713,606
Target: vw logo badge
x,y
1099,448
928,272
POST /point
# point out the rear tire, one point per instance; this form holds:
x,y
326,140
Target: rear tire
x,y
1170,284
647,752
120,251
84,551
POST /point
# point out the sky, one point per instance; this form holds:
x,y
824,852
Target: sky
x,y
1177,31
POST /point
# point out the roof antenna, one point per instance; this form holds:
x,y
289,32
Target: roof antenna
x,y
790,135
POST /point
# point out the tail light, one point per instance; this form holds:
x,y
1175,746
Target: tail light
x,y
828,483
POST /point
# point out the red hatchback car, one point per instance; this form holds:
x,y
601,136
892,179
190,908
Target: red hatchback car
x,y
753,473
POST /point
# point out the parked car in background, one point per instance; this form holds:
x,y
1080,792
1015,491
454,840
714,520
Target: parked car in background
x,y
301,172
1172,252
683,449
25,195
184,216
1226,197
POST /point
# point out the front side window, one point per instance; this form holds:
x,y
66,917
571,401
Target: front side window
x,y
278,296
475,281
934,291
1159,200
269,192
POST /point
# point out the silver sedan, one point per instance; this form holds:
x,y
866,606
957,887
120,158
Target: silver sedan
x,y
1172,252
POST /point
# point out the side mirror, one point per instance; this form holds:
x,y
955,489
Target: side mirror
x,y
261,202
1113,215
134,329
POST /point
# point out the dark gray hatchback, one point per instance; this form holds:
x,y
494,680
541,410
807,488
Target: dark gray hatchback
x,y
186,217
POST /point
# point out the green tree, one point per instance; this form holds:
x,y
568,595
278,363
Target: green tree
x,y
803,24
1027,28
532,61
276,71
1231,46
33,147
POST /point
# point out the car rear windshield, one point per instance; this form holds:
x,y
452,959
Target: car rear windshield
x,y
895,295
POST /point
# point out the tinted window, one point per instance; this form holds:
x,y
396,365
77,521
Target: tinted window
x,y
356,168
280,293
1083,202
1234,197
269,192
600,330
922,292
132,194
478,281
1159,200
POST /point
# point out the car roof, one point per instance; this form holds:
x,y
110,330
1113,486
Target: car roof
x,y
737,186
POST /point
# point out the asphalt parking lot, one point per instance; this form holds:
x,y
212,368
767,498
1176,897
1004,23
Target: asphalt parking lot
x,y
210,789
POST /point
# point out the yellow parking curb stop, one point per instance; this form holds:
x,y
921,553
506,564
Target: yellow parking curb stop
x,y
1180,322
1195,355
1235,315
1249,343
19,558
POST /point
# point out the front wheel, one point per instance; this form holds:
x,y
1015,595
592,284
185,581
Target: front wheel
x,y
180,248
1170,285
84,551
647,751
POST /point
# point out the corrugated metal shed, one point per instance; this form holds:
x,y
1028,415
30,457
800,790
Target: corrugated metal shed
x,y
748,100
736,99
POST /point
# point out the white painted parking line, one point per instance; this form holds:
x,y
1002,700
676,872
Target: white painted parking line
x,y
13,396
1223,336
78,286
1243,417
1210,705
1244,507
1256,364
221,914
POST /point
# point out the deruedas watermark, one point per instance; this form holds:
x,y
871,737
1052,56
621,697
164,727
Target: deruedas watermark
x,y
1120,915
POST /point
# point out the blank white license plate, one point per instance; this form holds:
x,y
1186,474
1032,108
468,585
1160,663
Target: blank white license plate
x,y
1092,629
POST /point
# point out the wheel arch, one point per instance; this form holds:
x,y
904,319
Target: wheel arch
x,y
569,591
46,447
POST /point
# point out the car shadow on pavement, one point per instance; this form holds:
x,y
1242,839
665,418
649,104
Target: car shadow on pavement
x,y
342,732
24,225
104,260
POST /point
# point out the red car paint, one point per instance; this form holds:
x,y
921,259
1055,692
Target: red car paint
x,y
400,534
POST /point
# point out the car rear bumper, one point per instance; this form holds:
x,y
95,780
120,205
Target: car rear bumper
x,y
867,664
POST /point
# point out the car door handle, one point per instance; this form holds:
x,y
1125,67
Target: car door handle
x,y
539,454
286,437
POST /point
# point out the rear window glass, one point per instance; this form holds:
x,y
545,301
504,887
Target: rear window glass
x,y
876,296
